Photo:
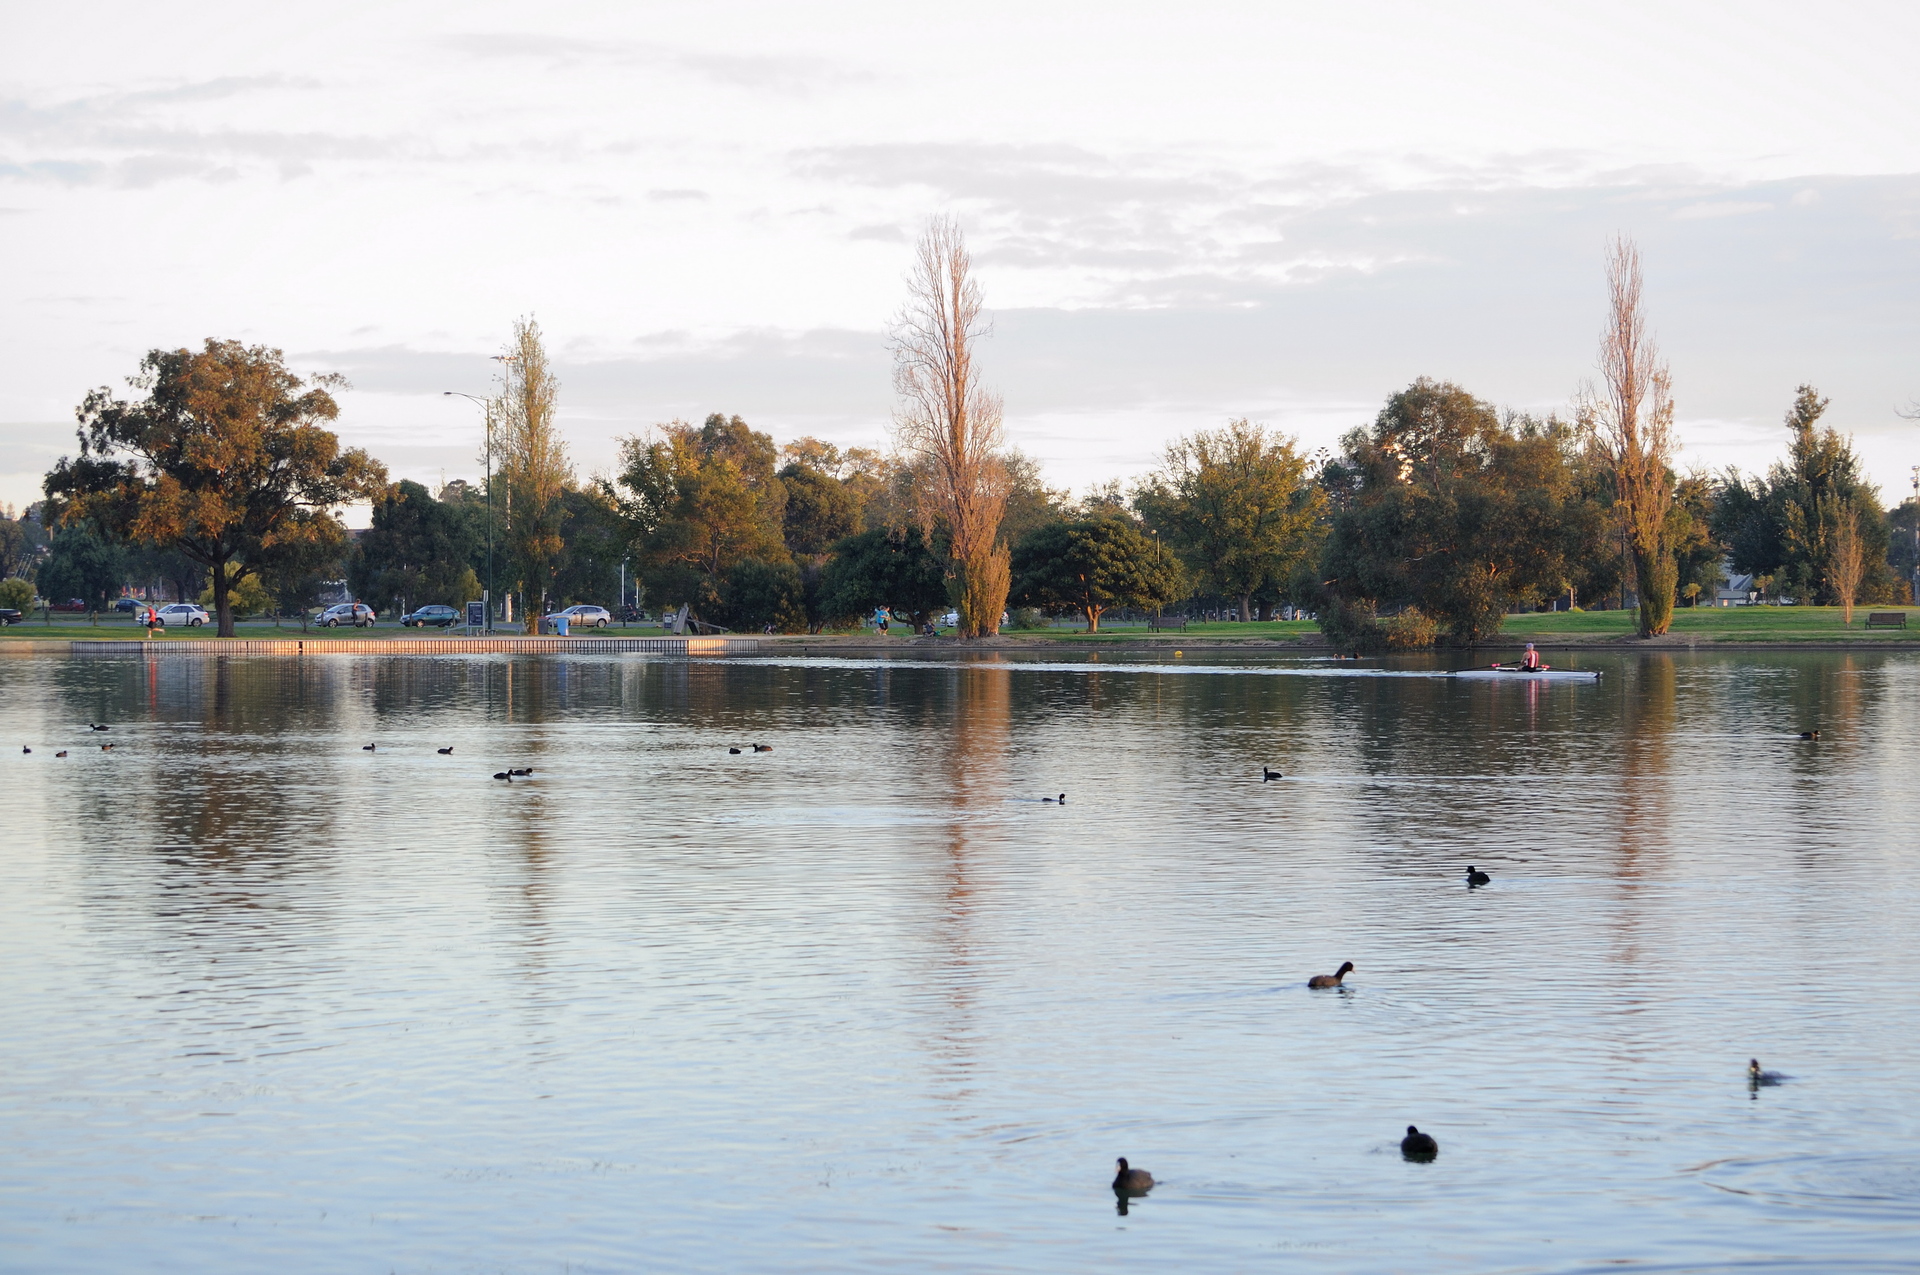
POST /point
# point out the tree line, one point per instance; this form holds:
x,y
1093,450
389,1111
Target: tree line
x,y
1428,525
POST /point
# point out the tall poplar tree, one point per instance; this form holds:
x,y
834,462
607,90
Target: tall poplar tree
x,y
534,468
1635,421
950,421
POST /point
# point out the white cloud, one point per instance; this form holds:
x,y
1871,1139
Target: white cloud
x,y
1242,210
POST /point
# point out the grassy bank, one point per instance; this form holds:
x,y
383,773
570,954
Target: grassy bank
x,y
1212,631
1718,624
1730,624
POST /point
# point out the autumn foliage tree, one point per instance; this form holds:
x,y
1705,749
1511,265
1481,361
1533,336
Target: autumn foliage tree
x,y
225,459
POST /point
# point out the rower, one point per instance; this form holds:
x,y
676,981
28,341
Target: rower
x,y
1531,660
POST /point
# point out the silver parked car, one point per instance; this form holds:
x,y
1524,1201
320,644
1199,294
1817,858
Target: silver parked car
x,y
586,617
358,614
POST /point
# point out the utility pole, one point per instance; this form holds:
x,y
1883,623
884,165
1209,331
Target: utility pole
x,y
506,362
486,593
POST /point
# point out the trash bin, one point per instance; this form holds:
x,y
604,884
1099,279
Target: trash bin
x,y
557,625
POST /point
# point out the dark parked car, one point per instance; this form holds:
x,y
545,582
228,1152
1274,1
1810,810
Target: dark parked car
x,y
358,614
10,616
127,604
439,616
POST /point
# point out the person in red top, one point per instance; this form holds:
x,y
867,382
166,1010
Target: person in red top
x,y
1531,659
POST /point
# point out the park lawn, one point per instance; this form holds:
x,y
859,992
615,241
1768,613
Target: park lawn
x,y
1718,624
1111,631
1208,630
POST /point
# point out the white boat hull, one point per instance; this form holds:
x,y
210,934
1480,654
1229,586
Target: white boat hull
x,y
1530,675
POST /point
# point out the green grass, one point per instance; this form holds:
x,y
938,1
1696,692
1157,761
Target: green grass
x,y
1211,630
1720,624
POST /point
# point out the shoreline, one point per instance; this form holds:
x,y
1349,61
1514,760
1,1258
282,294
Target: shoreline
x,y
867,646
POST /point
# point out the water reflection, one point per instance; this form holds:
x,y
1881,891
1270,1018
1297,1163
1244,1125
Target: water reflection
x,y
866,996
974,785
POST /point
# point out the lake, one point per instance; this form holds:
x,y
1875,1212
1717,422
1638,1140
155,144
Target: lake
x,y
865,1002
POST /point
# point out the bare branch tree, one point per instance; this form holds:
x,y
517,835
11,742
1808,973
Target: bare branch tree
x,y
951,423
1635,424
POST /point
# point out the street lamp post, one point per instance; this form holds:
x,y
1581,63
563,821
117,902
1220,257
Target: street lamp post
x,y
1915,582
486,594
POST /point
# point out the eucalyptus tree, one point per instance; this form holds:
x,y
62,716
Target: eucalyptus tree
x,y
696,501
1788,524
1442,505
1240,505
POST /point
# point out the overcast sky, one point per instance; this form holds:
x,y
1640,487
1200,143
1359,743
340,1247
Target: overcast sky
x,y
1180,213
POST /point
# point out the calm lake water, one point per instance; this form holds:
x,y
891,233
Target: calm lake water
x,y
863,1002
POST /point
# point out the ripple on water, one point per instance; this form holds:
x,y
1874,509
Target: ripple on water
x,y
1842,1185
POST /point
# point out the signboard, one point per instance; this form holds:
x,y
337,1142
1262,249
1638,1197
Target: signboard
x,y
476,615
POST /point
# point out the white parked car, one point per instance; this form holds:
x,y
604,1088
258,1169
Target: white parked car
x,y
184,614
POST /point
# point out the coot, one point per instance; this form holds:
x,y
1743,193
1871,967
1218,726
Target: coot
x,y
1132,1181
1331,980
1418,1146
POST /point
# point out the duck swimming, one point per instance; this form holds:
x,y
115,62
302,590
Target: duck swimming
x,y
61,753
1269,775
1476,877
445,752
763,748
366,748
1132,1181
734,751
1419,1147
1061,799
501,774
1757,1077
1809,734
1333,979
